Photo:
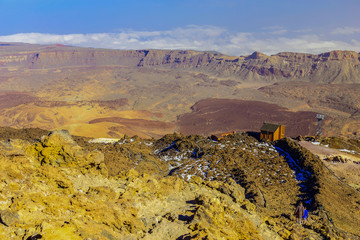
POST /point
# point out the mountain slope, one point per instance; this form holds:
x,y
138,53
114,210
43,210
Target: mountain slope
x,y
175,187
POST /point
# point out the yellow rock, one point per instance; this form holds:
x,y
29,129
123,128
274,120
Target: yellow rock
x,y
59,149
285,234
196,179
64,232
250,207
61,191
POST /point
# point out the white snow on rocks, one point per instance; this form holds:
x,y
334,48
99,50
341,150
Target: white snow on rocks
x,y
104,140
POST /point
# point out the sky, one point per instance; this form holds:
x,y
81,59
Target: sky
x,y
233,27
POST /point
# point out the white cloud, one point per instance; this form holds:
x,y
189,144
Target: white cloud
x,y
276,30
200,38
273,28
346,30
279,32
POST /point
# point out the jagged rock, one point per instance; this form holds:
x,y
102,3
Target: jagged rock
x,y
59,149
35,236
233,189
250,207
103,193
9,218
284,233
338,159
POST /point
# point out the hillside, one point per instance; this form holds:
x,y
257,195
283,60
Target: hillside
x,y
149,93
175,187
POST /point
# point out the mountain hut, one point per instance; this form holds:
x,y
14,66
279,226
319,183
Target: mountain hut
x,y
272,132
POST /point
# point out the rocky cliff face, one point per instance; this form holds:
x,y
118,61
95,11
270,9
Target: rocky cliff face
x,y
331,67
60,57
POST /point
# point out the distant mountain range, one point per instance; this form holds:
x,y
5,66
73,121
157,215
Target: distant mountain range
x,y
330,67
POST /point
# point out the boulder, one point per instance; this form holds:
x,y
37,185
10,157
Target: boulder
x,y
59,149
9,218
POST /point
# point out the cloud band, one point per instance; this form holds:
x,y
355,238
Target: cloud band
x,y
270,41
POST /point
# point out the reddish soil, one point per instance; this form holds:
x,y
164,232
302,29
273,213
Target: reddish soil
x,y
211,116
113,104
31,134
3,79
13,99
145,124
51,104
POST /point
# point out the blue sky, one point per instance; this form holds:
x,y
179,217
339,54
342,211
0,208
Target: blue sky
x,y
234,27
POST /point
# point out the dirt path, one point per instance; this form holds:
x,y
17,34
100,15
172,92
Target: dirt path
x,y
325,152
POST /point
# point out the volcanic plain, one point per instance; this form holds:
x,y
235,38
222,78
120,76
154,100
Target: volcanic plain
x,y
109,93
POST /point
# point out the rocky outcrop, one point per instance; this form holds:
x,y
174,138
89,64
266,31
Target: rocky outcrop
x,y
9,218
54,189
58,149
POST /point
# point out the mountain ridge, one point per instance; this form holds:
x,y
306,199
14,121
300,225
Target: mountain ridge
x,y
258,66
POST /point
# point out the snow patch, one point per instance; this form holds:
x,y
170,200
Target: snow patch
x,y
347,151
104,140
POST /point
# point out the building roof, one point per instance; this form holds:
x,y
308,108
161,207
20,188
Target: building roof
x,y
269,127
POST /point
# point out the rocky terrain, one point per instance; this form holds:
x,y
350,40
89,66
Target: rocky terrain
x,y
55,186
149,93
